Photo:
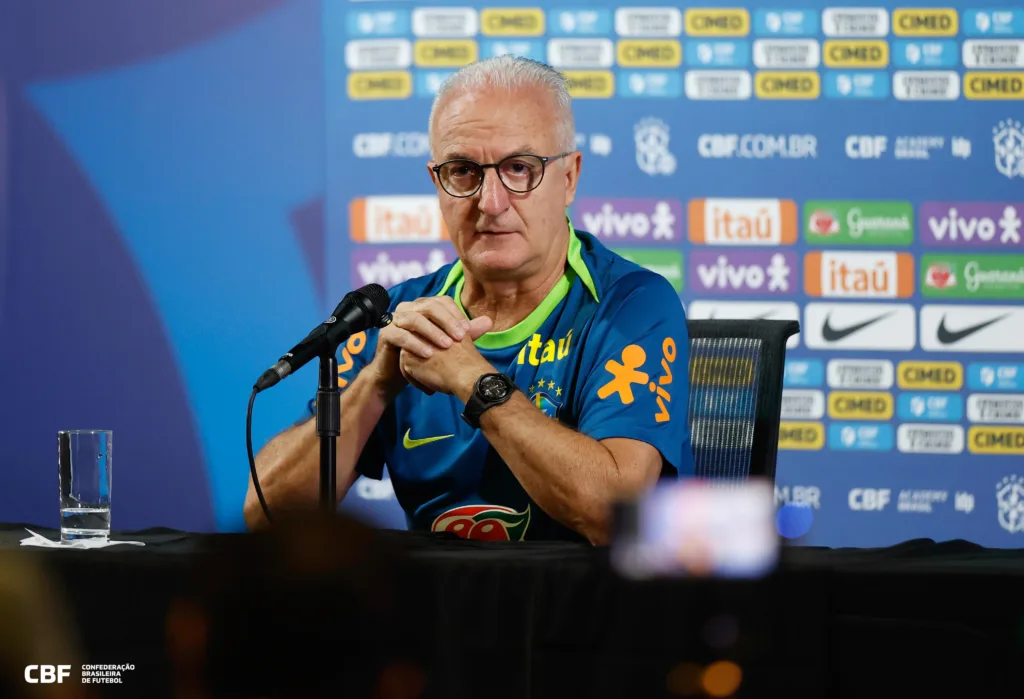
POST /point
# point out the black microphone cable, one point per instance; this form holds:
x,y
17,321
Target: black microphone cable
x,y
252,459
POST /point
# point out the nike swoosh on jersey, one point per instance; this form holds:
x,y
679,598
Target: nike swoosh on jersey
x,y
830,334
948,337
413,443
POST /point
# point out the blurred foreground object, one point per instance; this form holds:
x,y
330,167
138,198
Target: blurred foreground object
x,y
698,528
308,609
35,629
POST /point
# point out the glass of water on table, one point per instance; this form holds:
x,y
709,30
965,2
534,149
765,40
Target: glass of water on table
x,y
85,459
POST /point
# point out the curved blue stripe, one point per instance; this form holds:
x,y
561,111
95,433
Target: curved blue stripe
x,y
200,156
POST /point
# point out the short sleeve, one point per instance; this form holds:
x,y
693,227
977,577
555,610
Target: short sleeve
x,y
636,363
353,356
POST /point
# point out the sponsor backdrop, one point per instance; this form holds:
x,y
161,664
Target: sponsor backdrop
x,y
187,187
857,168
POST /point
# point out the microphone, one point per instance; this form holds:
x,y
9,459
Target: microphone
x,y
360,309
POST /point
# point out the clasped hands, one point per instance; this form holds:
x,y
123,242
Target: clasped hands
x,y
429,344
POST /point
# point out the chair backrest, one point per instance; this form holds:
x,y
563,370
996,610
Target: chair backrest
x,y
736,369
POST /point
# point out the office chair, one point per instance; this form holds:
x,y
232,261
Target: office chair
x,y
736,369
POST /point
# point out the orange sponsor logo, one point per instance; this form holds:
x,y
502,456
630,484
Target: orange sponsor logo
x,y
743,221
396,219
875,275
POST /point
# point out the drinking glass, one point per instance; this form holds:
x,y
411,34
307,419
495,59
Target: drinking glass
x,y
85,460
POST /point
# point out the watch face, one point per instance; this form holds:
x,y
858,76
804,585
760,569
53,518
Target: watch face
x,y
493,388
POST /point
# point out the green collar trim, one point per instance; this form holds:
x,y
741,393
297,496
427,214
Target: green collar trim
x,y
521,331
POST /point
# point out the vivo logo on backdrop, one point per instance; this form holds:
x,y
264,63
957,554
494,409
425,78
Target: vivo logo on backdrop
x,y
631,220
392,265
743,271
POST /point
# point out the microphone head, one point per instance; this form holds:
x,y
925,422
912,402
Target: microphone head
x,y
378,296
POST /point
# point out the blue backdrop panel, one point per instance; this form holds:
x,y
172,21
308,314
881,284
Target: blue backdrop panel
x,y
855,167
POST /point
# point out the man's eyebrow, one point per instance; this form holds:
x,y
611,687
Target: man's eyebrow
x,y
459,155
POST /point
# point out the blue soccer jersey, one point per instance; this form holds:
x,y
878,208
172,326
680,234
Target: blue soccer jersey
x,y
605,354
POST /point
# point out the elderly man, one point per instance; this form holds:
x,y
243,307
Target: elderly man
x,y
523,389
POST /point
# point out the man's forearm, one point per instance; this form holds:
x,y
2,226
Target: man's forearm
x,y
289,465
571,476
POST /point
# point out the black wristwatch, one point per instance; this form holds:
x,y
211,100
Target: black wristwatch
x,y
490,390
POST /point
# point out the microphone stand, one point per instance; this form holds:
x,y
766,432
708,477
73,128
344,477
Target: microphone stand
x,y
328,428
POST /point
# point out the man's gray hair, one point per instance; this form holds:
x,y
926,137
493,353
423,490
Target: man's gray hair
x,y
513,73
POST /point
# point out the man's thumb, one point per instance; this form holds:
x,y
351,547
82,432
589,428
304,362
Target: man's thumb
x,y
478,326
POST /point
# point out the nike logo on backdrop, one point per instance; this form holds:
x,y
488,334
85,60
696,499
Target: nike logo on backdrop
x,y
948,337
413,443
830,334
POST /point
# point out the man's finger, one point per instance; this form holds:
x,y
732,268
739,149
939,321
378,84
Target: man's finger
x,y
478,326
416,322
443,312
405,340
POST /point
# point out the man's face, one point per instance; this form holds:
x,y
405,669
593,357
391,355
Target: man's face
x,y
499,234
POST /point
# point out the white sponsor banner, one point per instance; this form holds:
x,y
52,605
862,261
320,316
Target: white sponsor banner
x,y
914,438
718,85
926,85
802,404
648,22
860,373
987,54
378,54
581,53
855,22
746,310
972,328
787,54
996,408
863,326
445,22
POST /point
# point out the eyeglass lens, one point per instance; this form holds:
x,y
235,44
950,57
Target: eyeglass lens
x,y
520,173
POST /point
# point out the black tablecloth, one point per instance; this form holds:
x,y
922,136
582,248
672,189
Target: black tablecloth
x,y
553,619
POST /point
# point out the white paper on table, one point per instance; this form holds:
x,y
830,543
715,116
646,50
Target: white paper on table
x,y
42,541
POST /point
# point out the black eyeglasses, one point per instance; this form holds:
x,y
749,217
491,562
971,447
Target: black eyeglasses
x,y
519,173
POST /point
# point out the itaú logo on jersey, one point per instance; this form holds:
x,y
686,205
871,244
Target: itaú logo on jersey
x,y
484,522
536,351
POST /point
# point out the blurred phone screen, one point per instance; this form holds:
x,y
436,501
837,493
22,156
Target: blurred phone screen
x,y
698,528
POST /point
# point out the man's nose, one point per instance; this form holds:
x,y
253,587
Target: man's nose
x,y
494,197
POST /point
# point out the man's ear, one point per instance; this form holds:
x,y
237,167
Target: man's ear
x,y
573,165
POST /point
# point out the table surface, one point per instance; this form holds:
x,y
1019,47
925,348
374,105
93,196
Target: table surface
x,y
917,555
